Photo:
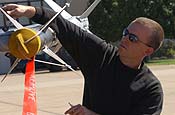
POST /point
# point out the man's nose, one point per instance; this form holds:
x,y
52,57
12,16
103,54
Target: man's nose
x,y
125,38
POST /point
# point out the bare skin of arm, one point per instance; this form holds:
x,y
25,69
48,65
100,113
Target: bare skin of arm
x,y
17,11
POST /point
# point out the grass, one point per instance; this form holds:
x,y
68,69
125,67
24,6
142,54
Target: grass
x,y
161,62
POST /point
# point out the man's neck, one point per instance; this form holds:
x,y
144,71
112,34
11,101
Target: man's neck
x,y
131,62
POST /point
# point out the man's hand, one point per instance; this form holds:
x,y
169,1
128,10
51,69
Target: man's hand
x,y
17,11
79,110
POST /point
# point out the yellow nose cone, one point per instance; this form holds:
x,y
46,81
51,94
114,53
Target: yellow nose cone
x,y
19,48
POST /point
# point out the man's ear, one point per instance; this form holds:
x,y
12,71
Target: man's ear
x,y
149,51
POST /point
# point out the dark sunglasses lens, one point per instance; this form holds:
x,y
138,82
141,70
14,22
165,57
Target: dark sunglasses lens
x,y
132,38
125,32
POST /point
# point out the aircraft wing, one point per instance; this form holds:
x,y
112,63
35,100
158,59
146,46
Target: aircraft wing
x,y
64,13
57,8
90,9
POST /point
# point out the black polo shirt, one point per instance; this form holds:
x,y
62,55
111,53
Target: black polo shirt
x,y
110,88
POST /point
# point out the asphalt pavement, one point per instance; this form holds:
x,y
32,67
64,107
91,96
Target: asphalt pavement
x,y
56,90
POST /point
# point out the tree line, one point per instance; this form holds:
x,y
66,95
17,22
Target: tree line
x,y
111,16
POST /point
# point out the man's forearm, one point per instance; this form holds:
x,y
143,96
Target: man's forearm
x,y
30,12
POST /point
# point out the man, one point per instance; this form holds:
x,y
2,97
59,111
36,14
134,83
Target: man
x,y
117,82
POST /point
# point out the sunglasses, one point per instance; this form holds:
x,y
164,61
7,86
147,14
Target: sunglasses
x,y
133,37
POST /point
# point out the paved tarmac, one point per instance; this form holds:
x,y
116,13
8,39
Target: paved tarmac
x,y
55,90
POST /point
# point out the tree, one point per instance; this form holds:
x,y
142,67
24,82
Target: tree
x,y
111,16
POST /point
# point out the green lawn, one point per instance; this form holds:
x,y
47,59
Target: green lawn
x,y
161,62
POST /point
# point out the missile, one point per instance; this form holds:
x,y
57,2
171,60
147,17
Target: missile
x,y
25,42
47,37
